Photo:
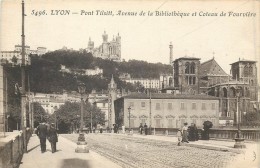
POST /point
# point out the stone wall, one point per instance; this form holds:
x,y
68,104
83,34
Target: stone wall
x,y
12,149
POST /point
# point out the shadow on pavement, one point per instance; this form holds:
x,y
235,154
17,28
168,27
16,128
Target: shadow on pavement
x,y
75,163
32,148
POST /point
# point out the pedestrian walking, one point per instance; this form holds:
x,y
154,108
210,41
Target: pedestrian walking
x,y
98,127
123,129
185,133
42,134
53,137
191,133
196,133
114,128
145,129
179,136
141,128
101,129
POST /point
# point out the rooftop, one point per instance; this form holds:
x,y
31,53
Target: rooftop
x,y
187,58
243,60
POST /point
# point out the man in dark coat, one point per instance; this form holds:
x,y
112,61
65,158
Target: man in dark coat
x,y
145,129
53,137
42,134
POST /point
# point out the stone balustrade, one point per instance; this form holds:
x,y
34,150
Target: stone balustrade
x,y
251,134
12,149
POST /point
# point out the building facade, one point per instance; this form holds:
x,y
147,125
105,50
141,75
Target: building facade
x,y
186,74
14,57
108,49
166,110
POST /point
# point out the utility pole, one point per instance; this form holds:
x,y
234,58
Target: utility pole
x,y
23,94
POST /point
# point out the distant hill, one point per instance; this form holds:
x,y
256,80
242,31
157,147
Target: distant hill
x,y
44,74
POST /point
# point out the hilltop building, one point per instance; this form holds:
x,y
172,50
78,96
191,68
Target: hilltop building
x,y
108,49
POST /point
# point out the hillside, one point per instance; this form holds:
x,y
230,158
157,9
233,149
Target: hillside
x,y
45,76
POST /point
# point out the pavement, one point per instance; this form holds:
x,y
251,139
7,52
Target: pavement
x,y
247,157
65,157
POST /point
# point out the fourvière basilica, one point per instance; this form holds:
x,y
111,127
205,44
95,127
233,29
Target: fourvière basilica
x,y
108,49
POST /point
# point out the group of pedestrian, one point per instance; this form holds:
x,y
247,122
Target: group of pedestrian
x,y
44,132
143,128
100,128
116,128
187,133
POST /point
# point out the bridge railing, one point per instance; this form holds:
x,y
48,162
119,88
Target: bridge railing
x,y
251,134
11,151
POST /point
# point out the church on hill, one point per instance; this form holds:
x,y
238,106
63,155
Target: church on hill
x,y
108,49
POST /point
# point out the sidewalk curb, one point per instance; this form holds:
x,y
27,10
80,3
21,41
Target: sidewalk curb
x,y
201,146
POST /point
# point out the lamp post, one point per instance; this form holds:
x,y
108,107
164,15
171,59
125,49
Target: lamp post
x,y
129,111
56,122
239,141
81,144
91,121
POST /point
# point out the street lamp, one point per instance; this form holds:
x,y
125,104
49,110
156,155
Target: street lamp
x,y
239,141
56,122
129,111
81,144
91,122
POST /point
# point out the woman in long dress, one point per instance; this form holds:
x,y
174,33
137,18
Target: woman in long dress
x,y
185,133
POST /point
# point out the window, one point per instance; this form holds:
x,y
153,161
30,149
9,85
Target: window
x,y
170,123
182,106
169,106
190,80
192,68
158,106
132,123
203,107
187,68
194,80
182,122
142,104
194,106
194,121
213,106
143,121
131,104
228,114
158,123
104,104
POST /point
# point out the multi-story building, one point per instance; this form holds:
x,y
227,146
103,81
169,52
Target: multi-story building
x,y
14,57
87,72
92,72
166,110
39,51
165,80
108,49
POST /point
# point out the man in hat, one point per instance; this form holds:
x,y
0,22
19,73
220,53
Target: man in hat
x,y
42,134
53,137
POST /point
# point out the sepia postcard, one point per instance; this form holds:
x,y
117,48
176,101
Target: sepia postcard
x,y
155,74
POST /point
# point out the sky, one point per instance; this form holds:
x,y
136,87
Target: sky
x,y
226,38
